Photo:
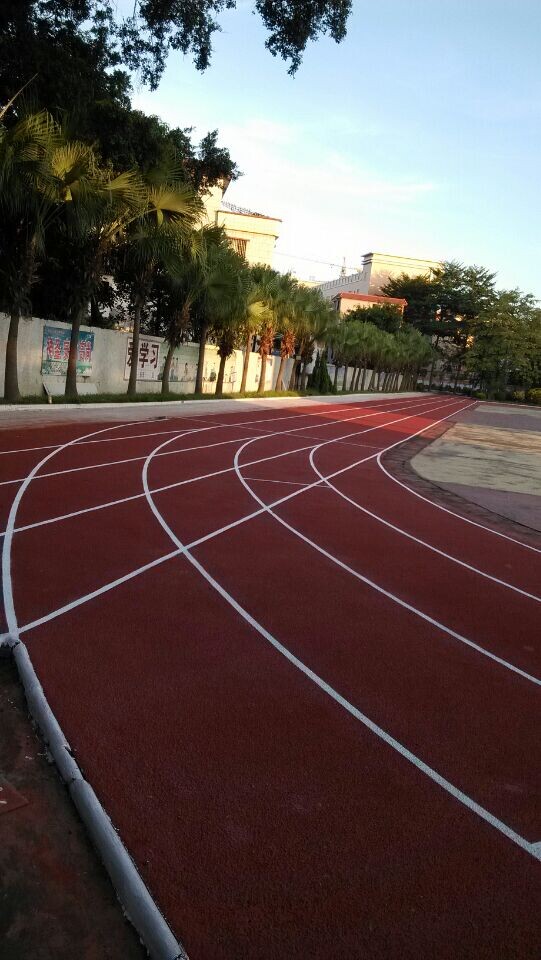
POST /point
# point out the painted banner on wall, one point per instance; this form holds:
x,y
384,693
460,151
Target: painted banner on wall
x,y
148,361
56,350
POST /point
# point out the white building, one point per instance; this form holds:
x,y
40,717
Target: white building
x,y
253,235
374,273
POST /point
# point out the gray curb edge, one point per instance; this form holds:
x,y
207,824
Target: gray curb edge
x,y
134,896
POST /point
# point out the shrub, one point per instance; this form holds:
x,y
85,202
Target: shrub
x,y
518,396
534,396
479,395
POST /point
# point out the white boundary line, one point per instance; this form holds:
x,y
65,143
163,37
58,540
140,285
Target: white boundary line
x,y
131,890
247,517
268,508
215,473
205,420
403,751
182,433
410,536
453,513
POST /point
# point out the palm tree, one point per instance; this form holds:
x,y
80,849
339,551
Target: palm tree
x,y
287,349
229,319
97,208
159,237
220,294
26,181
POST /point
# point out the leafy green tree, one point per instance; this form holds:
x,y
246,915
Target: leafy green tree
x,y
27,188
506,344
74,34
159,238
384,316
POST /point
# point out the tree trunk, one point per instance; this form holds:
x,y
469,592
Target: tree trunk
x,y
132,382
304,375
221,374
357,378
293,377
70,390
345,380
262,375
95,315
335,378
372,380
433,365
201,358
167,368
353,375
363,379
11,380
246,362
279,379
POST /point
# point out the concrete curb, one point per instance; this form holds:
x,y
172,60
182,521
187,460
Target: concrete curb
x,y
134,896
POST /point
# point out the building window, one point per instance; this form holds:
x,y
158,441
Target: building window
x,y
239,246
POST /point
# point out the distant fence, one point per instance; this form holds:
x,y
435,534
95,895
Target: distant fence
x,y
104,360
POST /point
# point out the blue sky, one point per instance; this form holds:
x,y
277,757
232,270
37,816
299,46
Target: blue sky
x,y
419,135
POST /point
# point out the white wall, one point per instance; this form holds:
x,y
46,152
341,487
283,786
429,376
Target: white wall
x,y
109,357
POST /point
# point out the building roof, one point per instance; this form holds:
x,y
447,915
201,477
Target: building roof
x,y
226,207
371,298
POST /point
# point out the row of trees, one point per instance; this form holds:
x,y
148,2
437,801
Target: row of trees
x,y
78,236
486,337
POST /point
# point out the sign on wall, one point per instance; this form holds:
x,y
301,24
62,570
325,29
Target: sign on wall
x,y
148,361
56,351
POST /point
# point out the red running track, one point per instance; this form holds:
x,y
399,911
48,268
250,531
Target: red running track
x,y
308,700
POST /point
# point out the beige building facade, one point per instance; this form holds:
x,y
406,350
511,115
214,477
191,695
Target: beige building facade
x,y
344,302
253,235
375,271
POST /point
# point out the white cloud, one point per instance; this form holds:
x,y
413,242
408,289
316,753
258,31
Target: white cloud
x,y
331,205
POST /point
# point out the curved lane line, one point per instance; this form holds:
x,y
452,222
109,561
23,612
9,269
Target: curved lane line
x,y
531,848
453,513
203,419
132,891
170,486
247,517
268,508
115,463
410,536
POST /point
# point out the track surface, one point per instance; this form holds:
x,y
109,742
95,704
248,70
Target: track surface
x,y
310,706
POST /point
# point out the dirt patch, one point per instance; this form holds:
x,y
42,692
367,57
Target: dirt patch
x,y
398,461
56,901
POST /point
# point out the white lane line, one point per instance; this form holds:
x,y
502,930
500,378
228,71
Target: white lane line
x,y
215,473
131,890
289,483
73,604
176,434
387,738
7,585
245,519
269,508
453,513
204,420
410,536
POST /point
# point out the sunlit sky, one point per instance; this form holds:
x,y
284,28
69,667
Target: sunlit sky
x,y
418,135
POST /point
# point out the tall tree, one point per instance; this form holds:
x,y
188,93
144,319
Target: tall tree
x,y
75,31
506,344
27,200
